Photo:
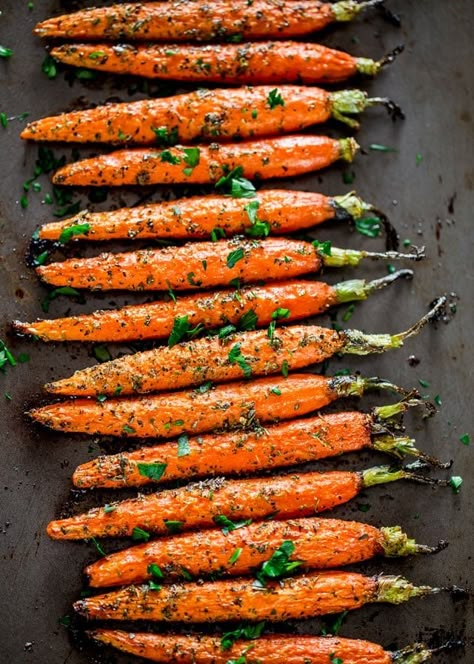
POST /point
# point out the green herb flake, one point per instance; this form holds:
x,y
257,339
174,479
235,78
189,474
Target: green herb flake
x,y
323,247
258,228
234,257
276,390
465,439
49,67
95,55
348,177
227,525
235,184
455,483
368,226
140,535
363,507
437,400
226,331
249,632
154,471
109,508
406,242
279,564
165,136
347,315
248,321
8,396
169,158
390,268
284,368
3,120
152,585
235,556
173,526
98,546
280,313
217,234
65,621
101,353
128,429
335,660
76,229
423,383
5,52
235,357
275,99
183,446
155,572
57,292
418,159
179,331
377,147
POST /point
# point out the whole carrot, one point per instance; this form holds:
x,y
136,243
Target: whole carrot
x,y
260,352
201,265
314,594
236,453
156,320
208,115
262,159
281,211
229,64
225,406
318,544
272,649
226,20
201,505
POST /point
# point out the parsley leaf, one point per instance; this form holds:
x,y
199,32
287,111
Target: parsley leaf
x,y
323,247
275,99
368,226
235,357
183,446
140,535
455,483
248,321
235,184
5,52
154,471
168,157
227,525
70,232
234,257
173,526
165,136
279,564
249,632
181,329
63,290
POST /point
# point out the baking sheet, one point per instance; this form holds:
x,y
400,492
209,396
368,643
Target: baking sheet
x,y
430,201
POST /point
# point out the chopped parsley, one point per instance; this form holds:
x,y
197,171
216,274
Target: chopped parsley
x,y
154,471
140,535
279,564
191,158
234,257
377,147
323,247
284,368
423,383
280,313
347,315
258,228
98,546
368,226
5,52
235,184
227,525
455,483
76,229
183,446
248,632
348,177
173,526
465,439
165,136
182,329
128,429
275,99
235,357
101,353
248,321
235,556
57,292
155,572
169,158
217,233
226,331
49,67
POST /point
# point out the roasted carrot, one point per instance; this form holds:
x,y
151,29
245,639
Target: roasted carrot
x,y
200,217
212,359
314,594
227,20
200,505
274,649
225,406
254,63
208,115
155,320
261,159
205,264
236,453
318,544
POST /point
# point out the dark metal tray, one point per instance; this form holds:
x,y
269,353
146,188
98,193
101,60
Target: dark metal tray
x,y
430,201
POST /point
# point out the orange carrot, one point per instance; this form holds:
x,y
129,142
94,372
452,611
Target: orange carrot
x,y
202,505
227,20
205,264
265,62
315,594
318,543
202,217
225,406
236,453
263,159
273,649
155,320
208,115
260,352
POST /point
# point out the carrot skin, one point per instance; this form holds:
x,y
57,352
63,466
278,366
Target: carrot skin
x,y
195,22
262,159
234,453
319,543
274,649
213,309
197,216
207,359
208,115
196,505
314,594
170,415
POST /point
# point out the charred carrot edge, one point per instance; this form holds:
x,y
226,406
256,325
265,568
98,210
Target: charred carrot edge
x,y
318,544
207,115
301,298
272,649
198,217
267,62
201,265
313,594
223,21
197,506
193,362
234,405
263,158
236,453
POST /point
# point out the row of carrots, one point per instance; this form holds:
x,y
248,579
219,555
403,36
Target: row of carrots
x,y
230,402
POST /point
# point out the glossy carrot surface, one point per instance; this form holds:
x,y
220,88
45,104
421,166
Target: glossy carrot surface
x,y
266,62
261,159
227,20
318,544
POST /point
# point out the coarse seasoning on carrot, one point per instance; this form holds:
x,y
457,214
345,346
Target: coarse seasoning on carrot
x,y
272,649
282,211
236,453
269,62
208,115
202,265
218,359
318,544
203,504
314,594
225,406
156,320
227,20
263,159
